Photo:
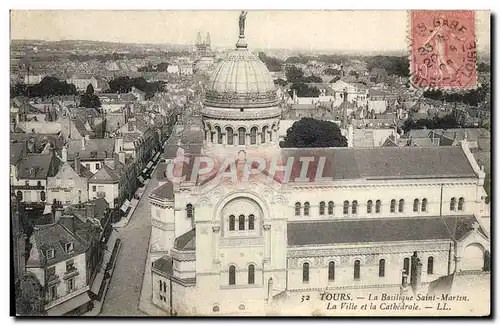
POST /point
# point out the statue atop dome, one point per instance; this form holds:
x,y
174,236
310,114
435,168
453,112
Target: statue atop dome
x,y
243,16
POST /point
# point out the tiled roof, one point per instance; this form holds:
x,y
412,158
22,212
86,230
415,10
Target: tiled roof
x,y
35,166
164,264
84,172
165,191
105,175
378,230
17,151
98,146
187,241
54,236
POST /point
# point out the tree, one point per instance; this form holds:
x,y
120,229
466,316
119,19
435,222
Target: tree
x,y
303,90
280,82
294,74
312,79
272,63
309,132
89,99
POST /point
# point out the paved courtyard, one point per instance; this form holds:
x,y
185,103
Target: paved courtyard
x,y
122,298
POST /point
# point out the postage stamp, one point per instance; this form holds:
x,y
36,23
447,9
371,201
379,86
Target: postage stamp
x,y
443,49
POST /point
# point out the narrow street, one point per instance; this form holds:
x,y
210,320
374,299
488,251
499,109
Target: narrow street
x,y
122,298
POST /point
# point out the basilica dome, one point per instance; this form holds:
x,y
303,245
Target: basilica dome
x,y
241,80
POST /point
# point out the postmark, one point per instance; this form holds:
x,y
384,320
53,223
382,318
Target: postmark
x,y
443,49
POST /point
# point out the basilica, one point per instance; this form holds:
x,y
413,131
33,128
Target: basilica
x,y
371,219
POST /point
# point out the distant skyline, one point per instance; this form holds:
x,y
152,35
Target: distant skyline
x,y
347,31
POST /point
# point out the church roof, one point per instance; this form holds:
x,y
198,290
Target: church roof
x,y
165,191
379,230
187,241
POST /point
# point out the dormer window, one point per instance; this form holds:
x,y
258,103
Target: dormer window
x,y
50,253
68,247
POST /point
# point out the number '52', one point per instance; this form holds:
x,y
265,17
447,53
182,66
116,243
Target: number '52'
x,y
305,298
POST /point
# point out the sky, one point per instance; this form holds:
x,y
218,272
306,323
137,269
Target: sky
x,y
301,30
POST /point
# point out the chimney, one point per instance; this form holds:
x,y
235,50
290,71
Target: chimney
x,y
90,208
83,143
110,162
77,163
64,154
57,214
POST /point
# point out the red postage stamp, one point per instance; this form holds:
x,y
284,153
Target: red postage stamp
x,y
443,49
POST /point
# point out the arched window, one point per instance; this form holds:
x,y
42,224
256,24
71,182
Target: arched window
x,y
346,208
271,134
306,209
251,222
241,222
232,275
241,136
331,207
305,272
219,135
401,205
230,135
263,135
297,209
253,136
322,208
381,268
189,211
331,271
231,223
461,203
251,274
430,265
357,269
42,196
369,207
211,136
406,265
416,204
354,207
453,203
424,205
378,205
393,206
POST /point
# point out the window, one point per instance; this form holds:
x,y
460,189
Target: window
x,y
230,135
161,286
381,268
241,136
232,275
406,265
430,265
19,195
51,271
39,183
42,195
393,206
369,207
251,274
52,292
354,207
68,247
27,183
453,203
164,287
219,135
50,253
424,205
322,208
241,222
189,211
331,207
70,265
378,205
253,136
71,285
331,271
416,205
97,166
263,135
305,272
461,204
306,209
401,205
94,188
251,222
346,208
231,223
357,268
271,135
297,209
